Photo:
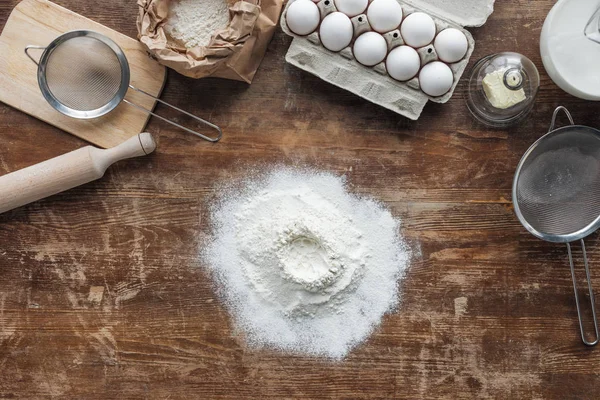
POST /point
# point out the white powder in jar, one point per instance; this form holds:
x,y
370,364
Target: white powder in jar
x,y
193,22
303,265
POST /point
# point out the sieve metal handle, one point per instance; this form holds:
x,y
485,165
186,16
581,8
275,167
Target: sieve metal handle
x,y
587,274
559,109
211,125
32,47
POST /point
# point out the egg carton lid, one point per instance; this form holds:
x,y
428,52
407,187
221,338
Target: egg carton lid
x,y
463,12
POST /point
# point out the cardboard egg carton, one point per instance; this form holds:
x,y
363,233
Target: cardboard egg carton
x,y
373,83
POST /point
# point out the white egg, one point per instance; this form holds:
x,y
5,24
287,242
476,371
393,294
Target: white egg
x,y
384,15
436,79
303,17
418,30
336,31
403,63
370,49
351,7
451,45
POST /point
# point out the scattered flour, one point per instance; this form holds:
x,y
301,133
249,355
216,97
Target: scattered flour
x,y
193,22
303,265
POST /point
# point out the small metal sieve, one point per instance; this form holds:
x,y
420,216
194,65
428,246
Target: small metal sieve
x,y
556,193
84,74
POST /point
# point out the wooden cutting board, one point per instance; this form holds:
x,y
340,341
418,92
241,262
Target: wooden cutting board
x,y
38,22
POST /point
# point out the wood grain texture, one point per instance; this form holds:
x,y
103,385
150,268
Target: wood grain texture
x,y
39,22
102,294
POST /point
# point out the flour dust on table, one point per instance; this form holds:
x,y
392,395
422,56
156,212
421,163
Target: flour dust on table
x,y
303,265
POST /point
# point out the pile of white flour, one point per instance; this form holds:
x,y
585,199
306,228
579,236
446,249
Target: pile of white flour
x,y
193,22
302,264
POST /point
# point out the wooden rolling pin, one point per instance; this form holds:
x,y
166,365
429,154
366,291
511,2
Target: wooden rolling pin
x,y
67,171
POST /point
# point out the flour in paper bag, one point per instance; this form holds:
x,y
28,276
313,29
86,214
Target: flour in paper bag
x,y
193,22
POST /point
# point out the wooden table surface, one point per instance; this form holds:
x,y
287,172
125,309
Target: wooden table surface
x,y
102,294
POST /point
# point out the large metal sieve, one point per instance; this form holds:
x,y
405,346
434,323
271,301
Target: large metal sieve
x,y
556,193
84,74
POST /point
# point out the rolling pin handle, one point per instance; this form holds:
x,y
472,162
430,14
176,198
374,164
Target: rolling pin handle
x,y
67,171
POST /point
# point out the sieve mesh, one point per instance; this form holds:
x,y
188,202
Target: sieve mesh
x,y
558,187
83,73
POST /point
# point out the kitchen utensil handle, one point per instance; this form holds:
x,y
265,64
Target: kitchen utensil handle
x,y
559,109
205,122
32,47
592,29
591,292
67,171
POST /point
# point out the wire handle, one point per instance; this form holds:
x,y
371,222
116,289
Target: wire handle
x,y
592,29
32,47
587,274
559,109
211,125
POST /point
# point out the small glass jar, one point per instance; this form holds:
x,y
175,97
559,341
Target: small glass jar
x,y
517,78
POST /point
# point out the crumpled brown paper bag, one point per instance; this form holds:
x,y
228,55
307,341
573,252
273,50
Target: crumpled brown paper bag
x,y
233,53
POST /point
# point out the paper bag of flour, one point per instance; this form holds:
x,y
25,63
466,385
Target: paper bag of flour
x,y
234,52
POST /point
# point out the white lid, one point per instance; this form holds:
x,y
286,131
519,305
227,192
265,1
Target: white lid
x,y
563,40
463,12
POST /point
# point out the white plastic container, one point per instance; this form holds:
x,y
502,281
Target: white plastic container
x,y
571,59
373,83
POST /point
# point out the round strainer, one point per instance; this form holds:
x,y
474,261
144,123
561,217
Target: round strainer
x,y
84,74
556,192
